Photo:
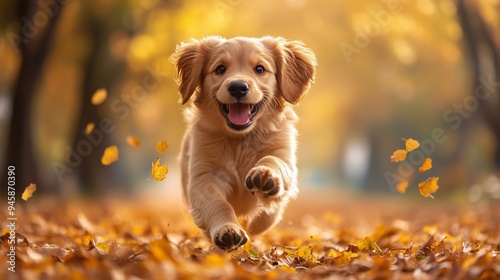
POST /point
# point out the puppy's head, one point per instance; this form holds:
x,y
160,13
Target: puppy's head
x,y
240,82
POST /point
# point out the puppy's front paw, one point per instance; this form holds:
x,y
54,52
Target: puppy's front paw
x,y
263,179
229,237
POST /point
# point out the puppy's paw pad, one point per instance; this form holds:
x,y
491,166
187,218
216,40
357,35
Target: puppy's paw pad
x,y
230,238
262,179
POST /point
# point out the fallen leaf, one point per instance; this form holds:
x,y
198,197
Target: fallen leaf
x,y
102,248
368,243
429,186
345,258
161,249
89,128
162,146
399,155
215,260
402,186
28,192
133,142
110,155
303,252
158,172
411,144
99,96
426,165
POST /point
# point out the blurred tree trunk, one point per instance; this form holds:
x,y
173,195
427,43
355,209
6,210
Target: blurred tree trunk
x,y
483,44
34,49
100,71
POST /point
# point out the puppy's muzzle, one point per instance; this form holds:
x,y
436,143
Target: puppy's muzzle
x,y
239,115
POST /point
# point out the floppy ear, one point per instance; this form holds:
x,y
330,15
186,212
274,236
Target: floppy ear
x,y
296,67
189,59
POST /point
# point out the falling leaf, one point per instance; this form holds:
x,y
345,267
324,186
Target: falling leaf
x,y
28,192
99,96
158,172
399,155
89,128
110,155
133,142
428,187
402,186
162,146
426,165
411,144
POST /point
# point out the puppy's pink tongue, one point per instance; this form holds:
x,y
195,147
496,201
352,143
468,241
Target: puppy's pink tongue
x,y
239,114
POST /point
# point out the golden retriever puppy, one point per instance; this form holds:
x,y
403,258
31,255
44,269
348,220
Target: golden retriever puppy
x,y
238,154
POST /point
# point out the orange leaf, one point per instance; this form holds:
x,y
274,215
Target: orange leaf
x,y
99,96
411,144
110,155
399,155
162,146
402,186
28,192
89,128
428,187
158,172
133,142
426,165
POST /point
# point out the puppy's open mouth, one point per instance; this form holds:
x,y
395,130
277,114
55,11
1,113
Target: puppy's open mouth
x,y
239,115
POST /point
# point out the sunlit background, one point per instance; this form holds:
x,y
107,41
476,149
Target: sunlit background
x,y
386,70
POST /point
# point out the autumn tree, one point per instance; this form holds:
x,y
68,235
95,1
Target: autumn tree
x,y
483,44
34,39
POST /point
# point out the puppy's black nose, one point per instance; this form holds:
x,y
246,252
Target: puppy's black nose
x,y
238,89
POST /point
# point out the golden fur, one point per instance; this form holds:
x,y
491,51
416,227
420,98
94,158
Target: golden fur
x,y
238,154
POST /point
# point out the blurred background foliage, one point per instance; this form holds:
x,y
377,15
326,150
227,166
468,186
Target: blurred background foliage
x,y
387,70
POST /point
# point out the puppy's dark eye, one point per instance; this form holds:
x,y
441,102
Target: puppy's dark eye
x,y
220,70
260,69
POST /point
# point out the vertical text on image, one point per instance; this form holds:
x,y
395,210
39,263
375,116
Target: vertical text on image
x,y
11,217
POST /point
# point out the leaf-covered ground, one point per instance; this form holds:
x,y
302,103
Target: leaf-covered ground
x,y
321,237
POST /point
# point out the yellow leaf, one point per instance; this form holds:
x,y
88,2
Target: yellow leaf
x,y
402,186
162,146
89,128
28,192
99,96
368,244
428,187
345,257
215,260
399,155
411,144
161,249
103,248
426,165
431,230
158,172
110,155
303,252
332,253
133,142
